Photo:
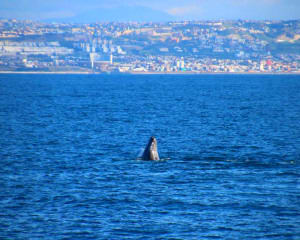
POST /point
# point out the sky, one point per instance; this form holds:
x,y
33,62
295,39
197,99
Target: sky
x,y
149,10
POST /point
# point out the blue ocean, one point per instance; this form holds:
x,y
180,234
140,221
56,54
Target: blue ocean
x,y
229,148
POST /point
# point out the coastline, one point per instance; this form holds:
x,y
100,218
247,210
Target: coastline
x,y
32,72
149,73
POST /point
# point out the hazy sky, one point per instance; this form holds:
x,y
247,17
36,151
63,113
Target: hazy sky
x,y
155,10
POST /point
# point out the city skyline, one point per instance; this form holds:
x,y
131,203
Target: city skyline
x,y
132,10
174,47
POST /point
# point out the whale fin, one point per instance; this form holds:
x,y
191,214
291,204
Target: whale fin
x,y
150,152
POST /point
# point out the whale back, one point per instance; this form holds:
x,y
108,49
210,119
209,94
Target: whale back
x,y
150,152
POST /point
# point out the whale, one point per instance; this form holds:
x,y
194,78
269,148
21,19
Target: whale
x,y
150,152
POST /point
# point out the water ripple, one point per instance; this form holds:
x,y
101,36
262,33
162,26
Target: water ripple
x,y
229,145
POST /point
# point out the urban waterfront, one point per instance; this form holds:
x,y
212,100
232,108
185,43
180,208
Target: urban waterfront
x,y
220,46
229,144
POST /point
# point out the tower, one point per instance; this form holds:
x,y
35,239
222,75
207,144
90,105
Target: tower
x,y
111,59
262,66
92,59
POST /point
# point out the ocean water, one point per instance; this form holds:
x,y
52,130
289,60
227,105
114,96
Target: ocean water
x,y
230,149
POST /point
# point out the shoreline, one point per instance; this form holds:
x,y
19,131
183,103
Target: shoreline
x,y
152,73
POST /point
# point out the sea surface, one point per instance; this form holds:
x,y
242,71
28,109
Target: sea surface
x,y
229,148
